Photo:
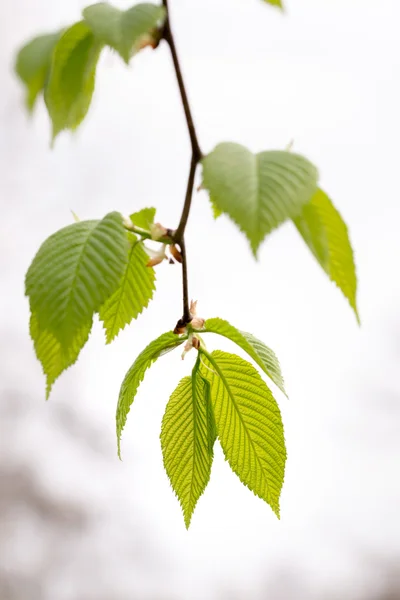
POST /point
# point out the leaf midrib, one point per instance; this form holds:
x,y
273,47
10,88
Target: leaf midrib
x,y
78,269
222,376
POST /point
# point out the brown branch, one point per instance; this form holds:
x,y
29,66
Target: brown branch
x,y
179,234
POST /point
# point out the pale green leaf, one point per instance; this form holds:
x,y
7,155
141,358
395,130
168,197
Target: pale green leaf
x,y
185,441
124,30
326,234
69,91
259,352
143,218
133,294
134,377
258,191
249,424
74,272
54,358
33,63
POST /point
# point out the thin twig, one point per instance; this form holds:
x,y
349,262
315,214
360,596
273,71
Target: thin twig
x,y
179,234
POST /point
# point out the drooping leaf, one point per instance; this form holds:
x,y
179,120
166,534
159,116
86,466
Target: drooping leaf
x,y
73,273
326,234
53,356
143,218
258,191
33,64
134,377
124,30
249,424
259,352
185,441
69,91
133,294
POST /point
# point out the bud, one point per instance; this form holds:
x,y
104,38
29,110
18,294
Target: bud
x,y
193,342
127,223
175,253
156,257
197,323
193,308
157,231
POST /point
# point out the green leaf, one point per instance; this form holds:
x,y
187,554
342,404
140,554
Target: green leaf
x,y
258,191
275,3
249,424
143,218
326,234
54,358
185,441
72,77
135,375
33,63
259,352
133,294
124,30
74,272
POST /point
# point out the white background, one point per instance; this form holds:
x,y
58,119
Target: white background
x,y
325,74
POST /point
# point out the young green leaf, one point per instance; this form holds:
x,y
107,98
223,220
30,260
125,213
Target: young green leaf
x,y
53,356
73,273
134,377
143,218
133,294
127,31
185,441
258,191
249,424
72,77
259,352
326,234
33,64
137,284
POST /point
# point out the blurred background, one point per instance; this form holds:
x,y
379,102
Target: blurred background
x,y
76,523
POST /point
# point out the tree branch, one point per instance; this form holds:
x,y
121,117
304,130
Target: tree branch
x,y
179,233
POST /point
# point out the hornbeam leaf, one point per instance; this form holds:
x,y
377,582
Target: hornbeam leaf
x,y
133,294
185,441
325,233
54,358
73,273
259,352
70,87
135,375
137,284
249,424
258,191
33,64
124,30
